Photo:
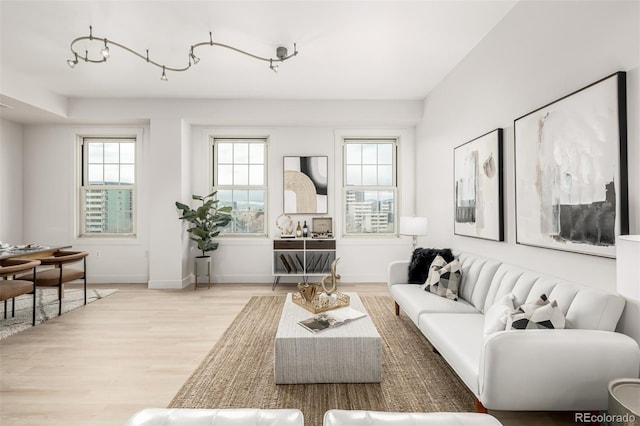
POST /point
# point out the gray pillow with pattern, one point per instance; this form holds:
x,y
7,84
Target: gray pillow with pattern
x,y
444,278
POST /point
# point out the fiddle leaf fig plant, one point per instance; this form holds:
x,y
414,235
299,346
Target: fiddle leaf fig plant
x,y
206,221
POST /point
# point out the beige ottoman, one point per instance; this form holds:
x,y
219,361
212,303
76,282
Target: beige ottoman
x,y
351,353
381,418
216,417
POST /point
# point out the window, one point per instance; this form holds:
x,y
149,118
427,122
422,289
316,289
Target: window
x,y
240,177
108,186
370,188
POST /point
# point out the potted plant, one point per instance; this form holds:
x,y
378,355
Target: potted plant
x,y
206,221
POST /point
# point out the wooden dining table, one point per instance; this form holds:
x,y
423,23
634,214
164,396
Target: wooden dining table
x,y
30,251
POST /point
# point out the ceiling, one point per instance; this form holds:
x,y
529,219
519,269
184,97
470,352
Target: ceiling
x,y
347,49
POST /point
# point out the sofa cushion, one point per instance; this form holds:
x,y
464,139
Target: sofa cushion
x,y
584,307
415,301
421,261
459,339
495,318
477,273
540,314
444,278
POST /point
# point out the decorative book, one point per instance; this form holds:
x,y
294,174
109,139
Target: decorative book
x,y
332,319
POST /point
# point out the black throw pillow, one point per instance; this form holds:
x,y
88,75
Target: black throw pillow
x,y
421,260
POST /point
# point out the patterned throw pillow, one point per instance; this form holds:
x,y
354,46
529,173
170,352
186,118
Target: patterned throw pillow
x,y
541,314
444,278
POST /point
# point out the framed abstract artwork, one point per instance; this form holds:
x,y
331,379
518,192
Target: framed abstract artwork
x,y
305,185
478,187
571,171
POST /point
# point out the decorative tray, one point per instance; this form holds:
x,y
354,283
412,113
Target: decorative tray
x,y
321,304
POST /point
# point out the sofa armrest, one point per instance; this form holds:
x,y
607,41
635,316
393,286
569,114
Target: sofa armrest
x,y
563,370
398,272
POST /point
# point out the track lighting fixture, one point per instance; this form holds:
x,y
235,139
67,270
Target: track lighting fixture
x,y
282,54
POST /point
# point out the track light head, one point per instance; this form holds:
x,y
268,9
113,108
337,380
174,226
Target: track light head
x,y
73,62
105,50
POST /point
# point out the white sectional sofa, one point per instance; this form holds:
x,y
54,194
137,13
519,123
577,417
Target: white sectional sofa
x,y
522,370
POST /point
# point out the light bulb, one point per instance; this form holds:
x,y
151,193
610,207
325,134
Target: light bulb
x,y
73,62
164,75
105,50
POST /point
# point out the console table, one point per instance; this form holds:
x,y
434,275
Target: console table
x,y
302,257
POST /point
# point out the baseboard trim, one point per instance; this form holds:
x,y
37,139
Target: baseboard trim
x,y
167,284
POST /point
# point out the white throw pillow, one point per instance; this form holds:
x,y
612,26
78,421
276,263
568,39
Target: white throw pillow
x,y
495,318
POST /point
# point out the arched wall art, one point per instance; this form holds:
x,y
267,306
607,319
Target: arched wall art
x,y
305,185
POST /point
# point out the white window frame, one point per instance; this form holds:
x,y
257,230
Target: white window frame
x,y
83,186
214,140
391,188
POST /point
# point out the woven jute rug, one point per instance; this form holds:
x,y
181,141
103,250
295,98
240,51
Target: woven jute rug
x,y
238,372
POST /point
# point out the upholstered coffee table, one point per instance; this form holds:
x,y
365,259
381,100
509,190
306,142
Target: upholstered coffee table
x,y
350,353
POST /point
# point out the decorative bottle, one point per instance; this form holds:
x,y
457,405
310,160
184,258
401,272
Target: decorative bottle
x,y
305,230
298,230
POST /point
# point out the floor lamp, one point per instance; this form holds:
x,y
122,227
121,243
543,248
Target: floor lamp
x,y
413,226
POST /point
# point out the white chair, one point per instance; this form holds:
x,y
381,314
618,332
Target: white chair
x,y
216,417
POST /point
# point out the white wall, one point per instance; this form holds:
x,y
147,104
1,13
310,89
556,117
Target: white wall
x,y
49,205
538,53
173,163
11,182
241,259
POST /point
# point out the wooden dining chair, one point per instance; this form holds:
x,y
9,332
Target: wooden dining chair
x,y
60,272
12,288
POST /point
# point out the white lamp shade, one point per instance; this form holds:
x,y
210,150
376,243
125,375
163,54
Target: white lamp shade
x,y
413,225
628,266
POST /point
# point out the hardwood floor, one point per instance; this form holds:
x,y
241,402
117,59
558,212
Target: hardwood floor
x,y
99,364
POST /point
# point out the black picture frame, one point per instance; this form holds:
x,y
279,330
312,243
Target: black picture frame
x,y
571,170
478,187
